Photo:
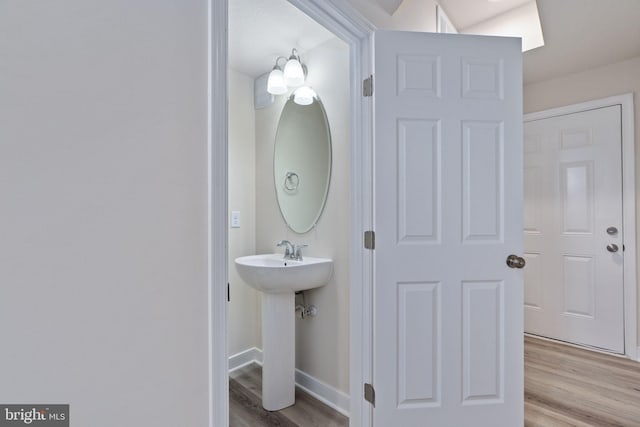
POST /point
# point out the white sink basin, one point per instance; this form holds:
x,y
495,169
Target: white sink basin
x,y
278,279
271,273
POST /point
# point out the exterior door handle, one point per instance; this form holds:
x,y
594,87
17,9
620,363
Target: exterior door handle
x,y
515,261
612,247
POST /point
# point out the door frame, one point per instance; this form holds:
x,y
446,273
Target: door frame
x,y
628,204
345,22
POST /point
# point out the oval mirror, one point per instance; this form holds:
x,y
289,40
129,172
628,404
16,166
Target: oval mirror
x,y
302,163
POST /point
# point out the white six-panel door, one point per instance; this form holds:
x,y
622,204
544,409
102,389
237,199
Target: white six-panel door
x,y
448,333
573,195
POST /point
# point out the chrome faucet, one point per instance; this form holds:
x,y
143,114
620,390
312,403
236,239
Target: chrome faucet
x,y
297,253
289,249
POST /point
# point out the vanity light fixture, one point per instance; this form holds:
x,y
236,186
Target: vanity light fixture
x,y
293,76
304,95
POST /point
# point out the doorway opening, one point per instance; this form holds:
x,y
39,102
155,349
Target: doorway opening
x,y
346,24
288,162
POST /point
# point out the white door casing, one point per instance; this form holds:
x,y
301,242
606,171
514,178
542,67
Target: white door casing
x,y
573,194
448,346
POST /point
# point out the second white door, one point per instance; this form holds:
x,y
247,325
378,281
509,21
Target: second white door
x,y
573,228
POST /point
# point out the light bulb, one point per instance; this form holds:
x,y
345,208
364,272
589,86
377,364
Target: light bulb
x,y
275,83
304,95
293,72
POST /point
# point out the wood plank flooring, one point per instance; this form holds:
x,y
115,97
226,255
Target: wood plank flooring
x,y
564,387
245,405
568,386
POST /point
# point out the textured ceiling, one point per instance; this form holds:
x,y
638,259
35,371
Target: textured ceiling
x,y
465,13
583,34
579,34
389,6
262,30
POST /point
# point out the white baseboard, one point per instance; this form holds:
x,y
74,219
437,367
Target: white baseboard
x,y
245,358
325,393
638,354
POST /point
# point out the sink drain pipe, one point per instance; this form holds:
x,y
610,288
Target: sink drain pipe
x,y
302,311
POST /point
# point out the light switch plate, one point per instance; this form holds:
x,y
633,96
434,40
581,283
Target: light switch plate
x,y
235,219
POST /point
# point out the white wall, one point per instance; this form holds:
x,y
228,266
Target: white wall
x,y
245,311
613,79
103,209
322,342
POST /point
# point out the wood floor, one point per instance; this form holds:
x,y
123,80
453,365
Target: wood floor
x,y
245,405
567,386
564,387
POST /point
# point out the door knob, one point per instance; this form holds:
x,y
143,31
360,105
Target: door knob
x,y
612,247
611,231
515,261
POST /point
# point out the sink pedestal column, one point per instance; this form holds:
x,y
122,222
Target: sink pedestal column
x,y
278,350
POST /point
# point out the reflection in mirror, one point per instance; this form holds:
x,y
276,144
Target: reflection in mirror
x,y
302,163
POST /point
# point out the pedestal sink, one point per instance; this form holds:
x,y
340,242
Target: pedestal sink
x,y
278,279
